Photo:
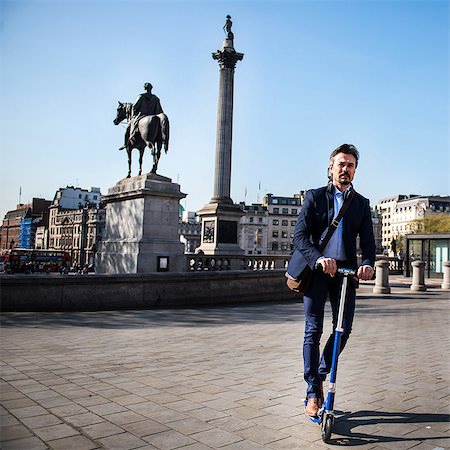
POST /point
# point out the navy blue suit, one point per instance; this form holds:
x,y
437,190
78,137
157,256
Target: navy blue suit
x,y
315,216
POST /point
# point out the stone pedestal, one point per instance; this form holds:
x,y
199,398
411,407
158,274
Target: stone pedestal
x,y
220,229
141,232
418,277
382,278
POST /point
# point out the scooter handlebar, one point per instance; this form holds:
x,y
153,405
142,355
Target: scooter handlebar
x,y
347,272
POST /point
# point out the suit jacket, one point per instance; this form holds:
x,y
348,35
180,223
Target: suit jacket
x,y
315,216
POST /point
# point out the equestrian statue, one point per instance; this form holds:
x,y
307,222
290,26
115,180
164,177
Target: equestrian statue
x,y
148,126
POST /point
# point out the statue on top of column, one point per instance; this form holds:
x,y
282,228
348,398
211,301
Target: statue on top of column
x,y
227,28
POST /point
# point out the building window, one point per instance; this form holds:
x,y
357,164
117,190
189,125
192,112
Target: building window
x,y
284,223
285,211
274,245
294,211
275,234
275,222
260,219
251,219
293,223
284,246
284,234
276,210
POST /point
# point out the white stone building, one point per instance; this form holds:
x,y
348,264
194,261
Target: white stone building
x,y
399,211
283,213
253,229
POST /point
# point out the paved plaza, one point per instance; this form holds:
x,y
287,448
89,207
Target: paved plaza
x,y
227,377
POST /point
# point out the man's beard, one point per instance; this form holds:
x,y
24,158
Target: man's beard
x,y
344,179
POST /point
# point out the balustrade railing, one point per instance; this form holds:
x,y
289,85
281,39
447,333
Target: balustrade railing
x,y
223,263
250,262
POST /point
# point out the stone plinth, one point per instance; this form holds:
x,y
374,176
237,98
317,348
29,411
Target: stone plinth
x,y
220,235
141,232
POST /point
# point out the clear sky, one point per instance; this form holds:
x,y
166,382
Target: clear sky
x,y
315,74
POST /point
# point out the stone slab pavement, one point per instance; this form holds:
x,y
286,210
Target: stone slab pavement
x,y
224,377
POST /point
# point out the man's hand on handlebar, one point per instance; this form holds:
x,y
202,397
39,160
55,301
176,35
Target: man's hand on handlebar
x,y
329,266
365,273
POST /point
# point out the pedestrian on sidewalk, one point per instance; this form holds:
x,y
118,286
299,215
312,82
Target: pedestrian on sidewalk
x,y
320,208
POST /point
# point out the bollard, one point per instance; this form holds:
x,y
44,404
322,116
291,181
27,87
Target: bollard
x,y
446,281
418,278
381,277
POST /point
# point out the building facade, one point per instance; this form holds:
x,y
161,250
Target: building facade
x,y
399,212
189,230
19,225
282,214
77,222
254,229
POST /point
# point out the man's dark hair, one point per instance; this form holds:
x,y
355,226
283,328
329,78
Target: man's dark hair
x,y
348,149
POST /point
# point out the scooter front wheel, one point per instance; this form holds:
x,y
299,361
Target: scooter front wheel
x,y
327,425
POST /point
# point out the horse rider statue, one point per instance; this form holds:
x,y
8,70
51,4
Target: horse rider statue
x,y
147,104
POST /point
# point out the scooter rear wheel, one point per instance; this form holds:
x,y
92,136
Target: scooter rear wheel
x,y
327,426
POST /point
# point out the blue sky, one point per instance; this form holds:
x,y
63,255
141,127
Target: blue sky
x,y
315,74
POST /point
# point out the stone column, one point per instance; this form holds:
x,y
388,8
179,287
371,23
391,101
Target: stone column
x,y
418,277
382,277
227,58
220,217
446,281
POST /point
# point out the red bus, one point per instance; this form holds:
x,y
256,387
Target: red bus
x,y
31,260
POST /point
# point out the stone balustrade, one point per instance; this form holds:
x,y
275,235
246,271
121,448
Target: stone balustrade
x,y
198,263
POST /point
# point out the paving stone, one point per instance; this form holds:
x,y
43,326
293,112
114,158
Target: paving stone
x,y
168,440
55,432
190,426
73,443
28,411
107,408
84,419
6,420
14,432
41,421
122,418
30,443
123,441
216,437
145,427
262,435
102,429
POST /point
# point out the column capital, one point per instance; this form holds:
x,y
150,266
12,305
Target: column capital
x,y
227,57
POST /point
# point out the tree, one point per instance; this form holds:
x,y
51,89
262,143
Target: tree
x,y
435,223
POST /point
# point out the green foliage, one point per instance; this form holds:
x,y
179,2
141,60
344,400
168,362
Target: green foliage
x,y
436,223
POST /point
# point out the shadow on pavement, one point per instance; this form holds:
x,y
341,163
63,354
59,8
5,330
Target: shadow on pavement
x,y
350,425
208,315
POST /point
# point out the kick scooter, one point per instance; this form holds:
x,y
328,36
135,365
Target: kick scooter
x,y
325,416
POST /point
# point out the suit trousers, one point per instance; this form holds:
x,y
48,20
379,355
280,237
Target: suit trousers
x,y
323,287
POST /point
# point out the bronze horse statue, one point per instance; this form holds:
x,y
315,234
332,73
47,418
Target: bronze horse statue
x,y
152,132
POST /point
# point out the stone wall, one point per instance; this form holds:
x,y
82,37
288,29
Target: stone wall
x,y
158,290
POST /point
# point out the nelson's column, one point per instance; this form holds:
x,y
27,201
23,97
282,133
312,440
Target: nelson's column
x,y
220,217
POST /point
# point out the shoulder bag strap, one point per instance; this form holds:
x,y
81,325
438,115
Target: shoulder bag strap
x,y
335,223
